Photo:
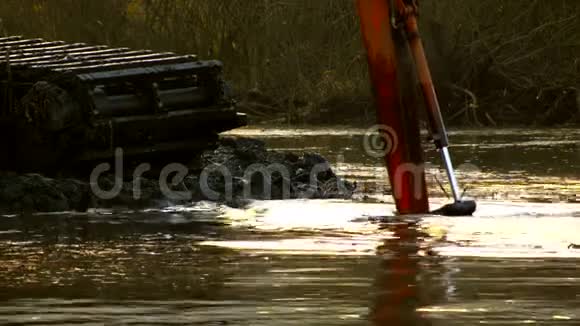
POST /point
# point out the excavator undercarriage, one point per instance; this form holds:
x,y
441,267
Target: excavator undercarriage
x,y
65,103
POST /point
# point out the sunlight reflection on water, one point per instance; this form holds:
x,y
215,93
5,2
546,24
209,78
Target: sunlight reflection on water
x,y
319,262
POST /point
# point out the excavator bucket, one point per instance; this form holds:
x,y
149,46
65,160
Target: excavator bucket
x,y
397,108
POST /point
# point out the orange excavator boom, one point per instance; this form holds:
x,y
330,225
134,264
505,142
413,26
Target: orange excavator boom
x,y
390,34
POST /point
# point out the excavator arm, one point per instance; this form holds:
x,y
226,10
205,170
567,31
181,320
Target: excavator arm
x,y
391,37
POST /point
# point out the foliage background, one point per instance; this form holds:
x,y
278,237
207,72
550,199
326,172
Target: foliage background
x,y
496,62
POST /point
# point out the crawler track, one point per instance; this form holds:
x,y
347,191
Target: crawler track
x,y
73,101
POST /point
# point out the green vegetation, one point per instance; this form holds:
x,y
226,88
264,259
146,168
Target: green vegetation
x,y
496,62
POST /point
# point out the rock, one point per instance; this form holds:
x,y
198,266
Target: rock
x,y
234,173
290,175
35,193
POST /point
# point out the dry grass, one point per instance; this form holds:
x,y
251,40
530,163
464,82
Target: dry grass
x,y
494,60
514,59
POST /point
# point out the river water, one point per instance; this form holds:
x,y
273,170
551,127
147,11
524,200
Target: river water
x,y
320,262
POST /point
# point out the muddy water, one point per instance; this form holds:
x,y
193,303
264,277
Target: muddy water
x,y
327,262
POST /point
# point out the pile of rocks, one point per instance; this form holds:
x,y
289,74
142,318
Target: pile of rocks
x,y
235,172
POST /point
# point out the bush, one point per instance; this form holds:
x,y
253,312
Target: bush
x,y
495,61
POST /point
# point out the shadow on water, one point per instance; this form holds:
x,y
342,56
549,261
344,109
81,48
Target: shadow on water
x,y
304,262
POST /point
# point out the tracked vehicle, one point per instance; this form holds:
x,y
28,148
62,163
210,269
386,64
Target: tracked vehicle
x,y
68,103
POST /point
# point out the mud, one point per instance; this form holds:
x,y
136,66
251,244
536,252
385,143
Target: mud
x,y
237,171
30,193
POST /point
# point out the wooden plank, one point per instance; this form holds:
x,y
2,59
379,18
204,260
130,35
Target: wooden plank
x,y
102,75
32,49
70,57
125,65
88,63
18,43
10,38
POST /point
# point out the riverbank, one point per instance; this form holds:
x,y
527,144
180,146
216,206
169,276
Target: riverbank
x,y
236,171
512,64
534,107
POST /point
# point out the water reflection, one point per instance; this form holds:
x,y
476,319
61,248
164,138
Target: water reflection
x,y
327,262
512,164
398,289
